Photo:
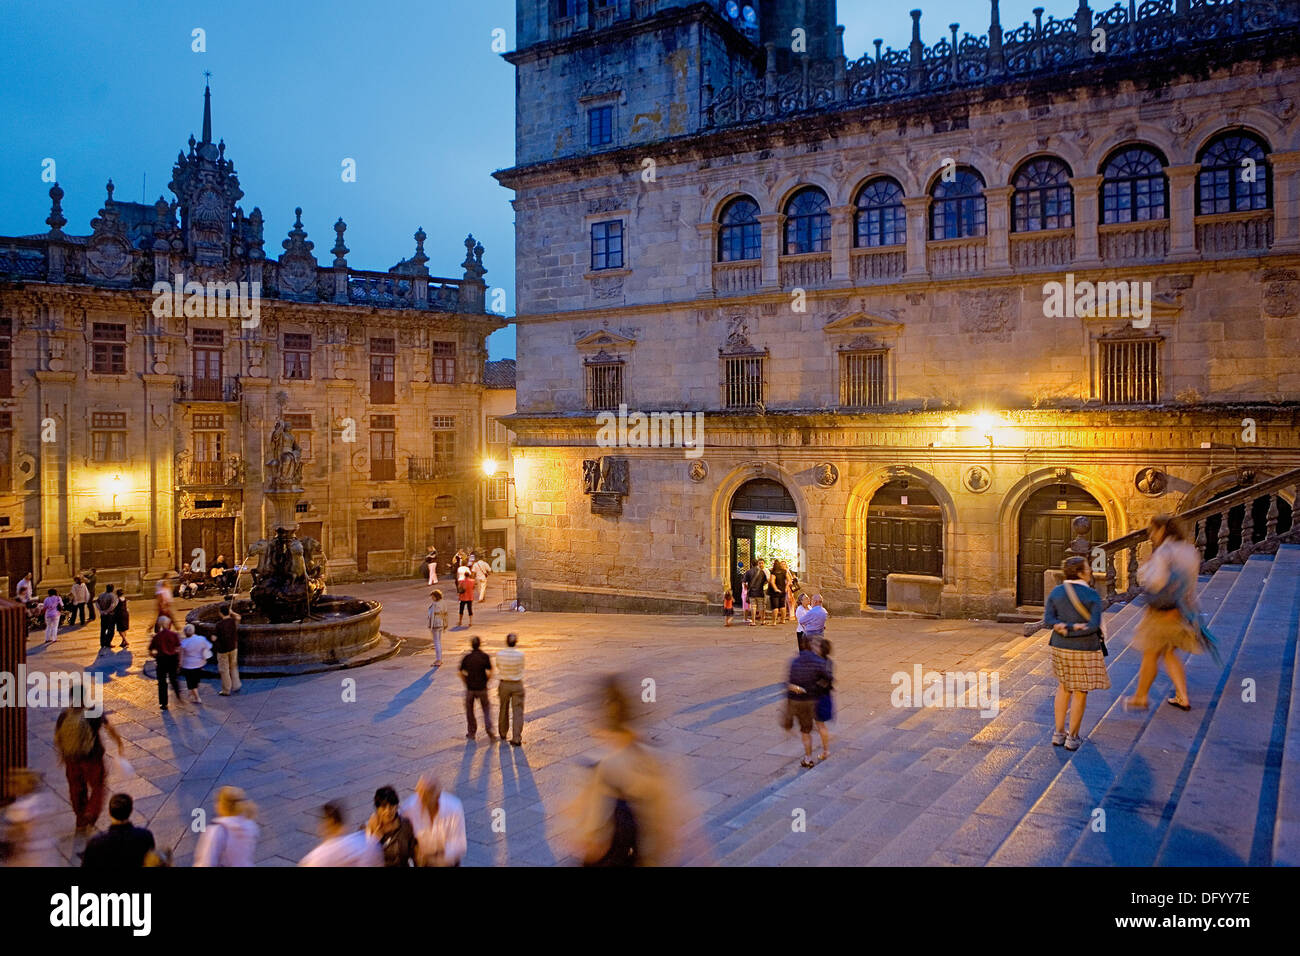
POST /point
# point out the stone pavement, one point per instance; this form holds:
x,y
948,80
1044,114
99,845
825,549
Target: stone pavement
x,y
903,785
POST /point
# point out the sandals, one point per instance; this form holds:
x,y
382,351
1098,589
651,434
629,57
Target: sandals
x,y
806,763
1173,701
1131,704
823,755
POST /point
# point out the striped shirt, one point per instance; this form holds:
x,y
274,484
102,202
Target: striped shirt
x,y
510,664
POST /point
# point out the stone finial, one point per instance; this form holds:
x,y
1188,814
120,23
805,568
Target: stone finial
x,y
340,250
56,220
473,263
297,241
916,26
109,190
419,259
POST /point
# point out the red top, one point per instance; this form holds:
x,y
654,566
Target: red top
x,y
166,642
728,601
465,587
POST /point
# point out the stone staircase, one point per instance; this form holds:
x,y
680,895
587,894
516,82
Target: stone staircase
x,y
1218,786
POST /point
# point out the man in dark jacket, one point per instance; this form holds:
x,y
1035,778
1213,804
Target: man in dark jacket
x,y
107,604
123,846
808,674
475,668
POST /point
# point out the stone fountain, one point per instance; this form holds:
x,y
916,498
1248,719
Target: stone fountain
x,y
290,625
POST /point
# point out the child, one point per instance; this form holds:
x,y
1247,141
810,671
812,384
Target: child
x,y
728,607
744,600
465,590
437,622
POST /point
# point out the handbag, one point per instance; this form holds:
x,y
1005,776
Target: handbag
x,y
1083,612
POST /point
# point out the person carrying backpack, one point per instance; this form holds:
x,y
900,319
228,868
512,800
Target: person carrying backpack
x,y
78,744
107,604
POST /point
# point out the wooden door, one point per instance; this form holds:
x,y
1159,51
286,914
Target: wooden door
x,y
215,536
1045,535
902,543
378,534
16,555
312,529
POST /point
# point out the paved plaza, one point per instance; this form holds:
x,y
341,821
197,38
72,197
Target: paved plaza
x,y
903,786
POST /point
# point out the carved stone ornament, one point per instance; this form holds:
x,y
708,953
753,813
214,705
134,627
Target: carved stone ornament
x,y
609,287
605,475
698,470
827,474
1151,482
976,479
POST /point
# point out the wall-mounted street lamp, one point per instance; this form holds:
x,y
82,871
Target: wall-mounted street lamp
x,y
985,423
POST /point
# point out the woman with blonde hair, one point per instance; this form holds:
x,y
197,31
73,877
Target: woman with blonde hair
x,y
231,838
1171,622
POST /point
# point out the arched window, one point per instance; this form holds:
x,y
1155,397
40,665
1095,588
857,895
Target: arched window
x,y
959,208
880,219
1134,187
1234,174
1043,198
741,234
807,222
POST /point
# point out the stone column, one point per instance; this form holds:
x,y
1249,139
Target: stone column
x,y
256,393
998,199
918,230
1087,196
341,510
56,548
160,454
841,244
707,233
1286,201
773,237
1182,211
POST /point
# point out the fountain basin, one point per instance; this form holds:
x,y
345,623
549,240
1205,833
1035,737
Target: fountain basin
x,y
341,632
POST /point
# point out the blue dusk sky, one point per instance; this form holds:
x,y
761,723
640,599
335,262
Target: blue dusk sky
x,y
411,91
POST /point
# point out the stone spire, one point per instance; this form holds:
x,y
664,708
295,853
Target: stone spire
x,y
207,111
56,220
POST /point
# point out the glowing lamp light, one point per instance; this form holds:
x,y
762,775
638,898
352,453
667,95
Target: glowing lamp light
x,y
986,423
489,467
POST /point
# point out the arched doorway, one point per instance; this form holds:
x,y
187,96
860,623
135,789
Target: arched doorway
x,y
764,524
1237,517
1045,534
904,535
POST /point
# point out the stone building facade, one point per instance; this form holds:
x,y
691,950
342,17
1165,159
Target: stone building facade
x,y
138,390
857,272
499,498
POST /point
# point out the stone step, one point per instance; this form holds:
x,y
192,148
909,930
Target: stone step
x,y
1286,833
1235,774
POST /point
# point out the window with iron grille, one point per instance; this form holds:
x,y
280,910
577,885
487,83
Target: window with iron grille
x,y
108,348
108,436
607,245
1043,198
959,209
807,222
864,378
1134,186
301,425
880,219
604,385
444,363
383,447
297,355
209,338
742,380
1222,184
740,234
600,125
383,364
1129,371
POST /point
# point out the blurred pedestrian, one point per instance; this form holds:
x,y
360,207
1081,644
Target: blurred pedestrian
x,y
230,839
23,593
510,690
439,822
195,651
481,571
808,674
437,624
165,649
475,669
394,832
824,712
79,746
340,846
30,821
90,576
163,595
227,647
123,846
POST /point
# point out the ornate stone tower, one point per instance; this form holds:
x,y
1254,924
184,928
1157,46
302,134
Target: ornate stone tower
x,y
208,189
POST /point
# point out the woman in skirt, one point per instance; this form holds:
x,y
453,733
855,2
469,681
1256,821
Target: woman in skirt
x,y
1170,622
1073,612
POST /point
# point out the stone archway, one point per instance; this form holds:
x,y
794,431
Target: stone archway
x,y
720,513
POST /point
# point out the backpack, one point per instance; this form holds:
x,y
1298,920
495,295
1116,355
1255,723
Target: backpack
x,y
74,738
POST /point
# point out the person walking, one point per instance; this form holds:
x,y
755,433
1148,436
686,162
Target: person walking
x,y
394,832
123,846
475,669
481,571
79,746
165,649
80,601
30,821
121,617
227,647
808,673
195,651
340,846
465,591
756,578
510,690
824,711
53,608
107,604
438,818
431,565
437,624
231,838
163,596
777,584
1073,612
1171,622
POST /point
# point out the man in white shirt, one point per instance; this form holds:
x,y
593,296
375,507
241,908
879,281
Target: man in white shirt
x,y
509,669
439,822
481,571
813,622
24,590
341,847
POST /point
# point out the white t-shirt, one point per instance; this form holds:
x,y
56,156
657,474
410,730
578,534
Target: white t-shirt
x,y
195,649
445,832
24,591
227,841
481,570
357,848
